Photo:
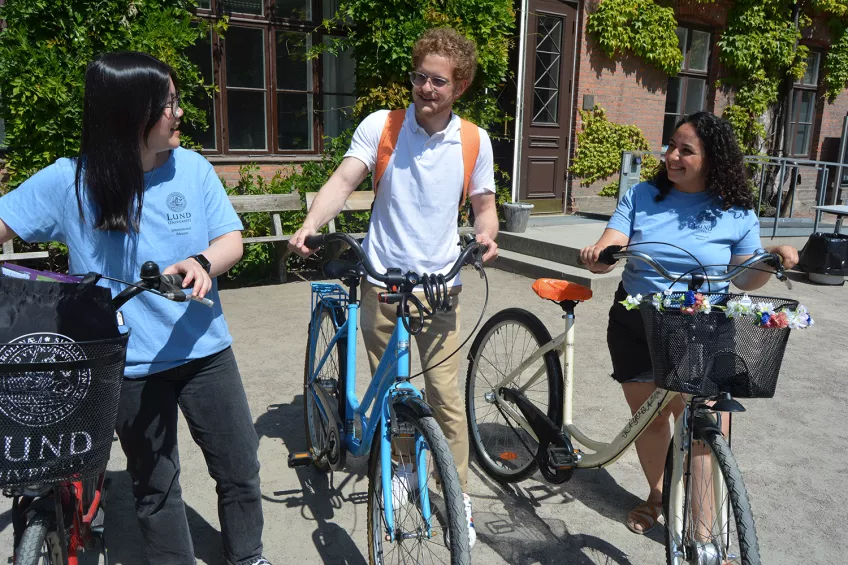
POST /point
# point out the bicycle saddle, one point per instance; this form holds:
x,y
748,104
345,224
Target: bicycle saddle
x,y
560,291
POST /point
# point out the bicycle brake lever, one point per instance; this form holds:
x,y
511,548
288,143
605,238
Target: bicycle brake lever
x,y
781,276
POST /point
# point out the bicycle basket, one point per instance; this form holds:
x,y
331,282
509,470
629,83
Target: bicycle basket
x,y
61,367
710,353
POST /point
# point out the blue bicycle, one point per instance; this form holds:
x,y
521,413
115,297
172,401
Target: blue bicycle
x,y
407,521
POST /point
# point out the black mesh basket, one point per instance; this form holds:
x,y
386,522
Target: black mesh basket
x,y
707,354
58,405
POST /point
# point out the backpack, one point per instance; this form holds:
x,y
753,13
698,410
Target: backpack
x,y
469,138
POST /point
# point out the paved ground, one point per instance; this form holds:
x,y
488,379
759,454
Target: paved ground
x,y
792,450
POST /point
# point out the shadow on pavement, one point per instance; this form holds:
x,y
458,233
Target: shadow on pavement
x,y
319,497
521,537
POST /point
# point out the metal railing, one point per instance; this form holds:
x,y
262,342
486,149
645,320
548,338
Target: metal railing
x,y
774,171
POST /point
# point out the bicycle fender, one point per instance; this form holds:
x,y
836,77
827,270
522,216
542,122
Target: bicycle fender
x,y
412,406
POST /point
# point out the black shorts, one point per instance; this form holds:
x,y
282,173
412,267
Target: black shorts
x,y
628,346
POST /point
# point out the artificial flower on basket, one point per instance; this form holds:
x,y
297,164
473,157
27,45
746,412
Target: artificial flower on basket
x,y
762,314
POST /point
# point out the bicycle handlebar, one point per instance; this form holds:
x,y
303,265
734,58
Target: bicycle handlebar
x,y
166,286
393,277
610,255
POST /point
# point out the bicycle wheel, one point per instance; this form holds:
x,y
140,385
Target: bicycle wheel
x,y
505,341
719,525
323,443
39,543
412,543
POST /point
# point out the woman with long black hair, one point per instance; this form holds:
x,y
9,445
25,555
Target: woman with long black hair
x,y
134,195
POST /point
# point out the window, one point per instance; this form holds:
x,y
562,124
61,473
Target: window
x,y
687,92
271,98
803,108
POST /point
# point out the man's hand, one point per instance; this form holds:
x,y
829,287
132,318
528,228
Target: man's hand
x,y
490,245
296,243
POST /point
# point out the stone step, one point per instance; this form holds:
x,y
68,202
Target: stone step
x,y
603,286
560,244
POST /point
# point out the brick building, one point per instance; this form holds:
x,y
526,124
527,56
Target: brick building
x,y
274,107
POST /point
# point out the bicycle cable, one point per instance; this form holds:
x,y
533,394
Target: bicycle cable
x,y
699,267
446,297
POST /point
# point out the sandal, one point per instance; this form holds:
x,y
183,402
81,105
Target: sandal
x,y
644,518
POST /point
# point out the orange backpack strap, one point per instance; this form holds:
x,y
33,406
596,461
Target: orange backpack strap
x,y
469,136
388,142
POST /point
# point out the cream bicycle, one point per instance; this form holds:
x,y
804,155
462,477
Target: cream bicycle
x,y
519,405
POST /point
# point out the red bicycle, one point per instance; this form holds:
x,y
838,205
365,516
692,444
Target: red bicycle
x,y
58,405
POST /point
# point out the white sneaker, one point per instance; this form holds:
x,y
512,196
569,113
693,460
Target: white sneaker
x,y
472,533
403,479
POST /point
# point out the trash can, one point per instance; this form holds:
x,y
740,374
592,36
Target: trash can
x,y
516,215
825,258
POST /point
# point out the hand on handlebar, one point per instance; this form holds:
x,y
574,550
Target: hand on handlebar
x,y
590,256
193,275
297,243
491,247
787,253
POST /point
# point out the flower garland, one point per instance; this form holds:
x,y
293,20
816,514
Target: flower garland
x,y
762,314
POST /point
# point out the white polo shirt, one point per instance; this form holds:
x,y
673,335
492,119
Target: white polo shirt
x,y
414,220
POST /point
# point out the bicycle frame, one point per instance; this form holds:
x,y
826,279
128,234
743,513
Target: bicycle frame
x,y
604,453
373,411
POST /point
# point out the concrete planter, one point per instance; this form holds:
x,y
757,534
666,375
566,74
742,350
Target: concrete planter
x,y
516,215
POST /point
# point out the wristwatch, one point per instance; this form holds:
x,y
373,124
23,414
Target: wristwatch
x,y
204,262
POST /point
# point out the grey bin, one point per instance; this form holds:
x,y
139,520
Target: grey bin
x,y
516,215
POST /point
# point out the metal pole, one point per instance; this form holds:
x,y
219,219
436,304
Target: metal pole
x,y
519,101
762,183
779,197
623,171
843,142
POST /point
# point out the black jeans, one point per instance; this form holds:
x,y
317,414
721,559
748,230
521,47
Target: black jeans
x,y
211,396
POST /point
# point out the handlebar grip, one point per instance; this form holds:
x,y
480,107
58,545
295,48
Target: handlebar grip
x,y
173,279
606,256
314,241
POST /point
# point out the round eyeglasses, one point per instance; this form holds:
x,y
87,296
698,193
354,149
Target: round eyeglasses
x,y
420,79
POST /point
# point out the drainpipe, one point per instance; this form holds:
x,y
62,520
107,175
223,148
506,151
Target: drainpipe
x,y
519,99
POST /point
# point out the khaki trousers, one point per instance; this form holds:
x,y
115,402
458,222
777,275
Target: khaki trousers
x,y
439,339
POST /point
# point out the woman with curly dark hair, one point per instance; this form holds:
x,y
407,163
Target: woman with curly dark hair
x,y
701,202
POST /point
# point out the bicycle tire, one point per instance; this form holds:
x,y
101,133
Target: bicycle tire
x,y
336,370
39,543
745,534
514,463
451,511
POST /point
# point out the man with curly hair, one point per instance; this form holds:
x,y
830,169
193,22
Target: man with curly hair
x,y
414,220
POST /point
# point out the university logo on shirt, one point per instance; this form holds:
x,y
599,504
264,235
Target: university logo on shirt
x,y
178,218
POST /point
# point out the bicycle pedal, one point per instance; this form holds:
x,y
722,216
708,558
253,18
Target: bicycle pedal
x,y
562,458
299,459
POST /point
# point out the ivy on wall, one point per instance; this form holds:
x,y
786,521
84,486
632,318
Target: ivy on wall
x,y
381,34
599,147
759,50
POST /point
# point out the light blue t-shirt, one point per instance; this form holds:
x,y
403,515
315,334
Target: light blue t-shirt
x,y
694,222
185,207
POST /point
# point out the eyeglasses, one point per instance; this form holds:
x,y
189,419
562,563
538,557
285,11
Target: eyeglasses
x,y
420,79
174,104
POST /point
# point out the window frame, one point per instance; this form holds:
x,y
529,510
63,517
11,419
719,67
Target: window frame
x,y
686,73
271,24
799,88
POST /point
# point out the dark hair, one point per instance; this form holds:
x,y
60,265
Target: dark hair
x,y
125,95
725,174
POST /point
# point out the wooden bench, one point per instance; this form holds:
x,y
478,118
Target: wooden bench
x,y
10,255
273,203
358,201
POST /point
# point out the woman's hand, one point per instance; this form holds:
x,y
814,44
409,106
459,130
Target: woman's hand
x,y
589,257
194,273
787,253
